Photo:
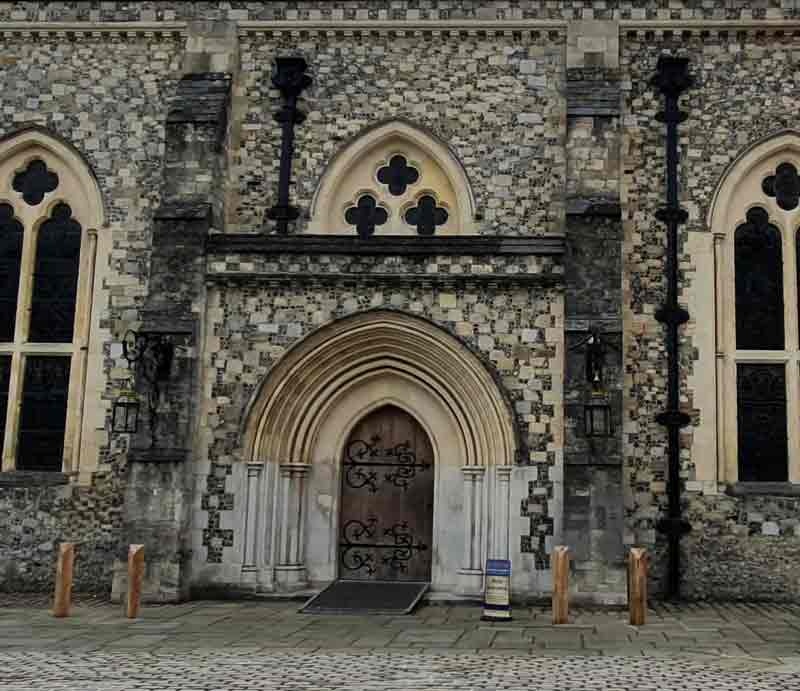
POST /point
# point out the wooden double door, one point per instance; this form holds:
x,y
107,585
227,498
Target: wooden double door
x,y
386,519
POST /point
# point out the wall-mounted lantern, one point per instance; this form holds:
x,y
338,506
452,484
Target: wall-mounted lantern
x,y
152,355
125,416
597,417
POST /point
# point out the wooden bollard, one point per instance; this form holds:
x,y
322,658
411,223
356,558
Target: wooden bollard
x,y
135,578
637,586
561,585
62,600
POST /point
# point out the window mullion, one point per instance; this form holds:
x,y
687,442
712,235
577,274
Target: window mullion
x,y
9,459
11,440
790,290
792,347
792,414
25,284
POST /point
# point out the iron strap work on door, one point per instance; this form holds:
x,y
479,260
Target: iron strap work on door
x,y
387,499
363,457
358,554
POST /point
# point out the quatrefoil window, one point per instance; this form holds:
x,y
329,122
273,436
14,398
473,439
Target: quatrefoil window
x,y
34,182
784,186
366,215
426,215
398,175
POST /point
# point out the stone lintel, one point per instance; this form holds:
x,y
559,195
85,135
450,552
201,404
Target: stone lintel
x,y
581,206
582,324
755,489
168,321
599,459
587,98
183,210
201,98
158,455
32,478
478,245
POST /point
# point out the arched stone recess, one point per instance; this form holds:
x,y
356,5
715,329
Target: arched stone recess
x,y
741,188
64,177
298,423
400,166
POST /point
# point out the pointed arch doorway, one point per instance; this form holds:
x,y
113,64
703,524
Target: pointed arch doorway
x,y
303,416
387,494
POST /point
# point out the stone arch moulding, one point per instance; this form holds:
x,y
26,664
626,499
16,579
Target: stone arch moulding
x,y
738,190
774,147
77,187
298,422
353,170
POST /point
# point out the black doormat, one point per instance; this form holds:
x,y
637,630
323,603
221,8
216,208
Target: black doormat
x,y
367,597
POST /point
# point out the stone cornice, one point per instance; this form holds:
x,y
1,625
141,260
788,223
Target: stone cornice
x,y
403,27
84,28
474,245
408,27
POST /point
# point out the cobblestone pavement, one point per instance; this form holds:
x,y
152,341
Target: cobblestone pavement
x,y
267,645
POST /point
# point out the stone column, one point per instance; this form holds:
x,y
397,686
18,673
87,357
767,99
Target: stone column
x,y
502,512
719,359
471,573
72,455
252,515
290,570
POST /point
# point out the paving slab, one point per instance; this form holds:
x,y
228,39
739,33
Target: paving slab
x,y
257,635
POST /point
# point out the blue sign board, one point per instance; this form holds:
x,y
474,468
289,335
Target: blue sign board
x,y
498,567
497,590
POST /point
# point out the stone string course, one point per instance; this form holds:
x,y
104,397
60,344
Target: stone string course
x,y
435,267
517,333
412,10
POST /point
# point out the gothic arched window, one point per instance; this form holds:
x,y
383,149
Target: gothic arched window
x,y
394,179
46,258
760,347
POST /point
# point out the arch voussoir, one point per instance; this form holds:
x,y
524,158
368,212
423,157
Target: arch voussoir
x,y
292,401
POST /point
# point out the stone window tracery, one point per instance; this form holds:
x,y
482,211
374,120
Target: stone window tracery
x,y
35,182
398,175
366,215
420,211
49,211
427,215
394,179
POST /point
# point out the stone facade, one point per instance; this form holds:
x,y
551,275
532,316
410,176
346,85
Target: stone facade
x,y
547,111
714,134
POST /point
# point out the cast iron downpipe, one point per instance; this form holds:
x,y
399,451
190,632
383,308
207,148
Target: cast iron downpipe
x,y
672,79
290,79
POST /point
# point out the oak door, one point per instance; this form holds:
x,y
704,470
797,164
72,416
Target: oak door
x,y
386,520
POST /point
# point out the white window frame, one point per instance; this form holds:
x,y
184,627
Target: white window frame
x,y
77,188
741,190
